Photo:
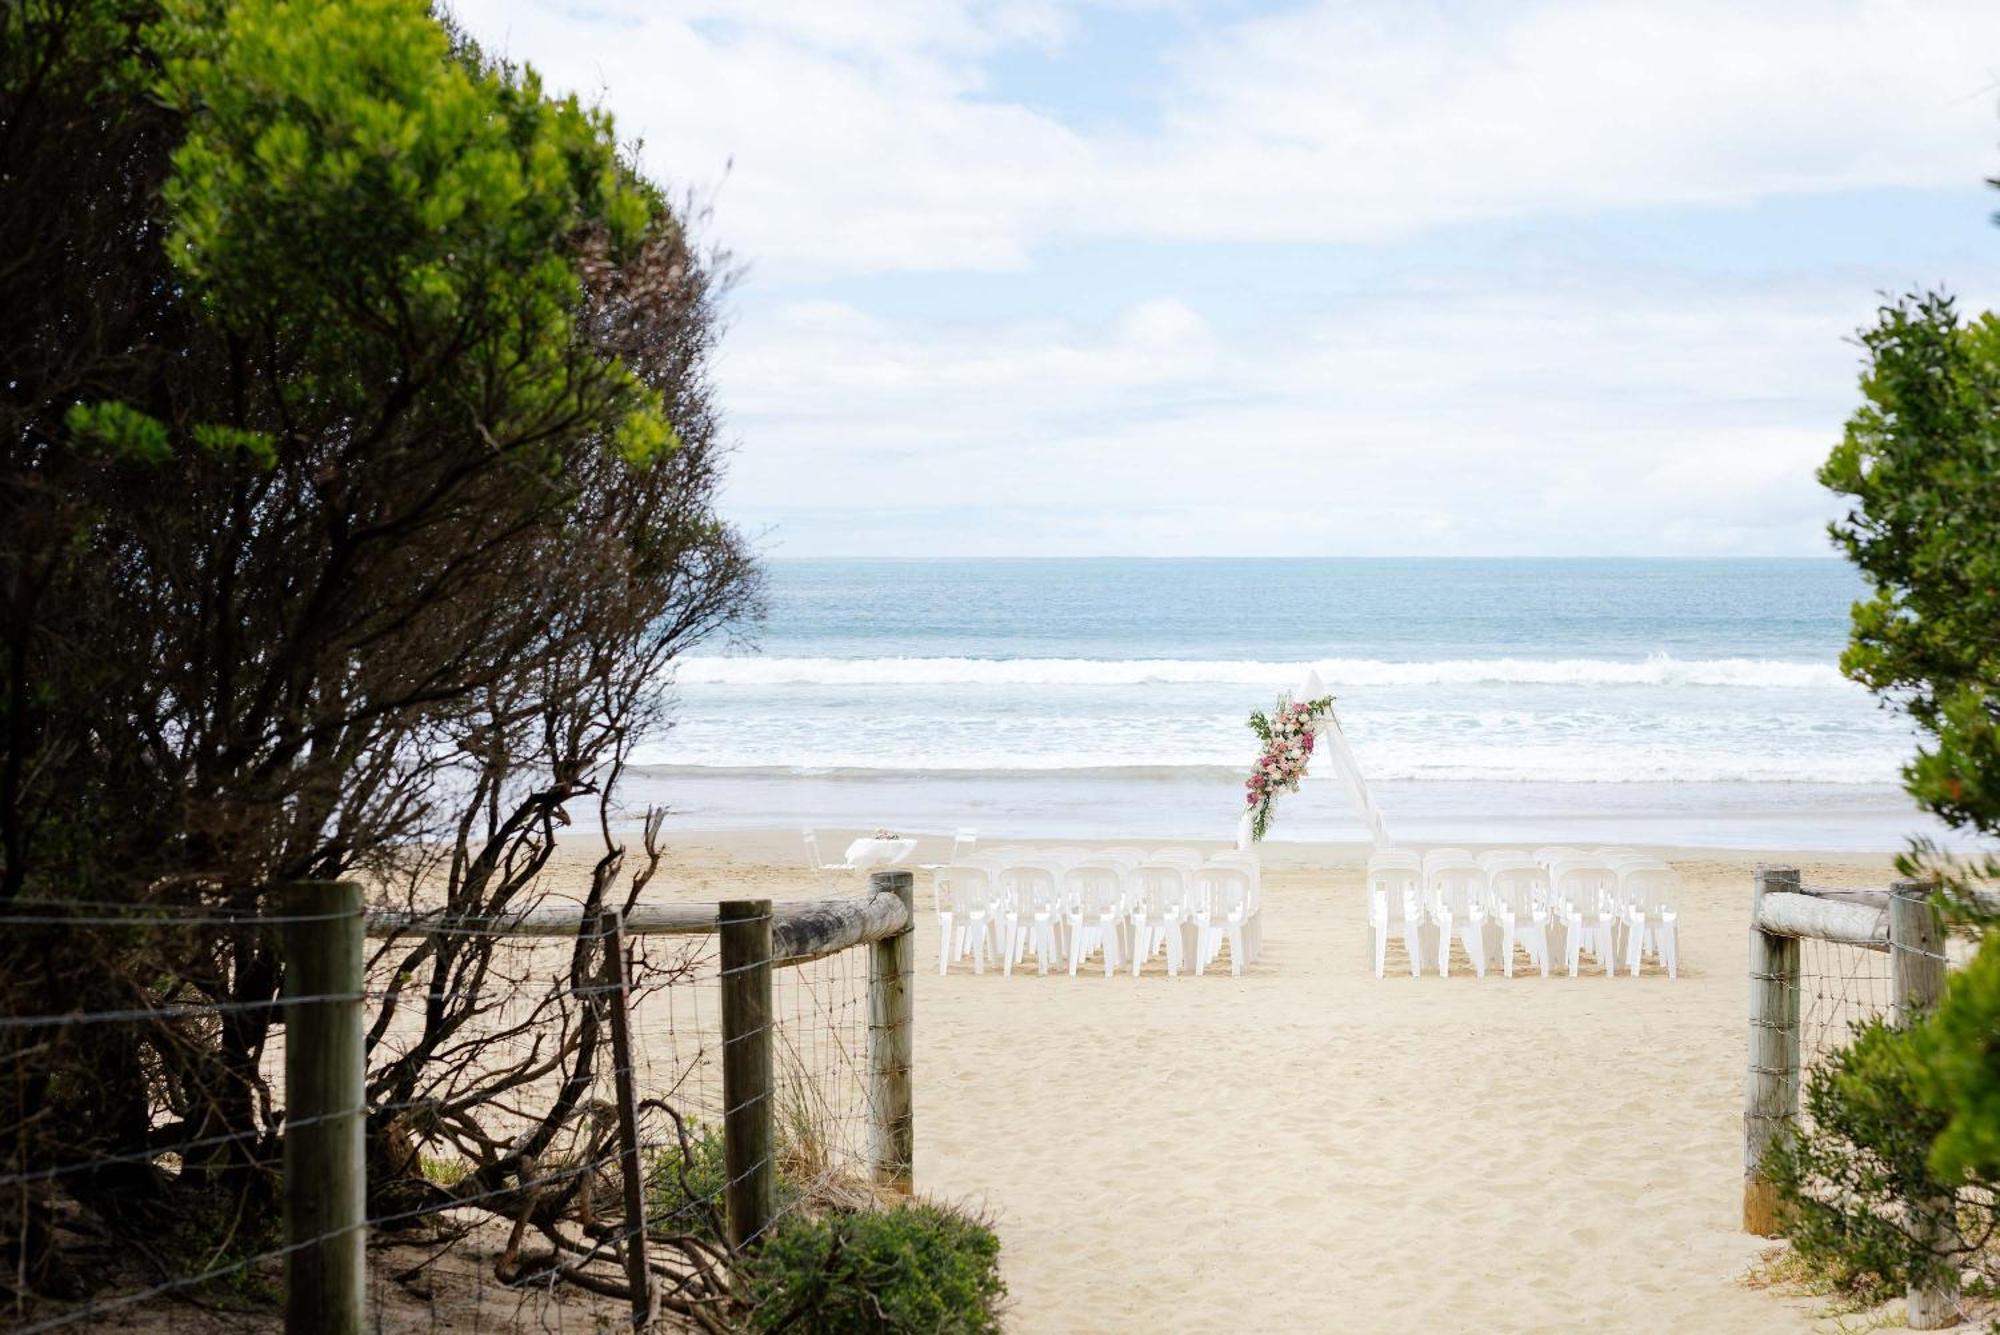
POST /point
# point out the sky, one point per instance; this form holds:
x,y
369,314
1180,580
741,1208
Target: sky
x,y
1374,278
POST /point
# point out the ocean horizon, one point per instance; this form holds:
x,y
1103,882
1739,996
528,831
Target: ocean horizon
x,y
1660,700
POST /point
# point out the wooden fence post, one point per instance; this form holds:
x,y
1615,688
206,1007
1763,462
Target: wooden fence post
x,y
747,1116
326,1184
1771,1079
891,1039
625,1079
1916,972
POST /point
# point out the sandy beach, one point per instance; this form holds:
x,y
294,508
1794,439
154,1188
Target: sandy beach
x,y
1306,1147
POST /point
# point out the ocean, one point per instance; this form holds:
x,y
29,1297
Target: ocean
x,y
1687,702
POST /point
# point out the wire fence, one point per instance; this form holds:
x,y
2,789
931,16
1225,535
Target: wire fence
x,y
1831,1172
1841,987
507,1140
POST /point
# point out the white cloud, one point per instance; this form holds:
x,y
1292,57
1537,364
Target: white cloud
x,y
1602,408
1590,419
864,136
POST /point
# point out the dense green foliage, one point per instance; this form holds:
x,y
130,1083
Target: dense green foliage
x,y
1920,463
1903,1119
1958,1072
919,1267
684,1191
358,463
448,194
1848,1179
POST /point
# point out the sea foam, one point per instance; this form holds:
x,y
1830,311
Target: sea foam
x,y
1655,670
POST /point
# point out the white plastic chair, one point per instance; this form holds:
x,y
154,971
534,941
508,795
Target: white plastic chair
x,y
1518,898
1649,888
1031,895
1456,887
1160,914
1395,887
1586,890
829,873
1253,922
1094,905
1437,904
965,909
964,843
1222,910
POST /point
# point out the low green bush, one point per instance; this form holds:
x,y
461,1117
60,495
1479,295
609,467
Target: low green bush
x,y
684,1192
1848,1178
917,1267
690,1201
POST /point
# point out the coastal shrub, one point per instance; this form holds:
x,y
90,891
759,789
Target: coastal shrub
x,y
1900,1117
1959,1071
916,1267
684,1191
1846,1180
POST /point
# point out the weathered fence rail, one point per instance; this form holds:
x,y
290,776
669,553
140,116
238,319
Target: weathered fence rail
x,y
325,1186
801,930
1901,921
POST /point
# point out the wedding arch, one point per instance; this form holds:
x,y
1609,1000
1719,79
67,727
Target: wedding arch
x,y
1302,730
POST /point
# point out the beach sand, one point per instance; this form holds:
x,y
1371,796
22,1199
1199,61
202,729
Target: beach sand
x,y
1308,1148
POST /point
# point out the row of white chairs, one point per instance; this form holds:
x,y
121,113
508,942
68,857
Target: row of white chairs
x,y
1615,904
1122,906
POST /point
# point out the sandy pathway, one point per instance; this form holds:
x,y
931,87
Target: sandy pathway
x,y
1305,1147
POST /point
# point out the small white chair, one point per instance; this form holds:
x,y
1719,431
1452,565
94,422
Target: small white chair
x,y
1518,899
965,909
964,843
1395,887
1649,888
1094,905
1031,895
829,873
1160,914
1586,890
1444,871
1460,887
1222,910
1253,923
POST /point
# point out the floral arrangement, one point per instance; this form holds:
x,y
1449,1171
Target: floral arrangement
x,y
1287,734
885,834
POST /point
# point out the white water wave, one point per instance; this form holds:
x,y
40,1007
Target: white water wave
x,y
1338,673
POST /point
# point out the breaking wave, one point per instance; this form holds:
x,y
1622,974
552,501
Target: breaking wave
x,y
1338,673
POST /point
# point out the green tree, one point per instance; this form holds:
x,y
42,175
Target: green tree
x,y
1903,1116
357,475
1920,464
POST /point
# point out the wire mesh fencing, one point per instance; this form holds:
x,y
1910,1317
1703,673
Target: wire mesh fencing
x,y
1841,987
1833,975
142,1144
545,1131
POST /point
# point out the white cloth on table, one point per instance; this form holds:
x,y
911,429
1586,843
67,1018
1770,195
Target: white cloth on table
x,y
863,854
